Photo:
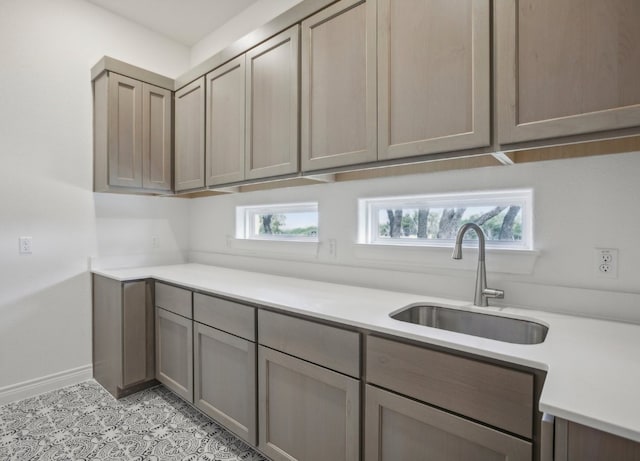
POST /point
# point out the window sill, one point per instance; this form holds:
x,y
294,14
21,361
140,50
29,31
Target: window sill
x,y
507,261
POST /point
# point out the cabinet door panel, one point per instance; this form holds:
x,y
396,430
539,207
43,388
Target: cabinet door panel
x,y
157,138
137,334
272,107
306,412
566,68
225,123
433,76
225,380
189,133
401,429
125,131
174,353
339,86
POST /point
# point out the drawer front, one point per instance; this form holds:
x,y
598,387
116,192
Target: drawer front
x,y
176,300
495,395
322,344
224,315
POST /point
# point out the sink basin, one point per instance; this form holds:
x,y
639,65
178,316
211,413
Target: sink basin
x,y
489,326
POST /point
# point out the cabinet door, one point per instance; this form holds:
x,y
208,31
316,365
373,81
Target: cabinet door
x,y
125,131
225,123
306,412
156,138
575,442
433,76
566,67
399,428
272,107
338,96
137,334
225,380
174,353
189,133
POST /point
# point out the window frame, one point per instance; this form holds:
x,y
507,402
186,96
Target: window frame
x,y
369,208
246,214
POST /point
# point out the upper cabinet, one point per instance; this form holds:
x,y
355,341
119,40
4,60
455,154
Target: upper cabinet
x,y
225,123
566,67
190,132
132,135
338,95
433,76
271,141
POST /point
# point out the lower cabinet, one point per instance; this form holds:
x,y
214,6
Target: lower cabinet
x,y
174,353
122,335
398,428
225,379
575,442
307,412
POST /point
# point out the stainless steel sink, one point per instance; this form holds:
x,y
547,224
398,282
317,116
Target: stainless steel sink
x,y
507,329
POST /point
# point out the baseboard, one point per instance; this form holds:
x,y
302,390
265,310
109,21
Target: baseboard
x,y
37,386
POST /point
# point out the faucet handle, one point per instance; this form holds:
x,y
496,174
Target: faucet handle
x,y
492,293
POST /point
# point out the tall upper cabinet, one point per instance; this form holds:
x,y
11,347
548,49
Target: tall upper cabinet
x,y
190,132
225,116
271,141
566,67
132,132
338,95
433,76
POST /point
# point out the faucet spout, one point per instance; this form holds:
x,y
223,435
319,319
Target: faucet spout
x,y
482,293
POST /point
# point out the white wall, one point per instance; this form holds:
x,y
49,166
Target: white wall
x,y
256,15
579,205
47,49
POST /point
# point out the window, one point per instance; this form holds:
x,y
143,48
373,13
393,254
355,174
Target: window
x,y
284,222
504,216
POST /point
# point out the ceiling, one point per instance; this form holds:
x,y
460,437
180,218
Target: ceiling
x,y
184,21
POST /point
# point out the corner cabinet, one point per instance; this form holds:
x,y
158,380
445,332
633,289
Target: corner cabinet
x,y
433,76
190,135
132,135
123,335
271,141
338,96
566,68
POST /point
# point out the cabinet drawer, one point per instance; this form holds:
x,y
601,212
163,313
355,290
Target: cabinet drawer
x,y
176,300
493,394
224,315
327,346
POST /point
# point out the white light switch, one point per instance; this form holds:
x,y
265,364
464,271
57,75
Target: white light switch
x,y
25,245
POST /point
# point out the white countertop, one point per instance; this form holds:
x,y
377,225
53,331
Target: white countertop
x,y
593,366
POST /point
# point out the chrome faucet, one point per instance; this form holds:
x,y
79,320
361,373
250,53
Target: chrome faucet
x,y
482,292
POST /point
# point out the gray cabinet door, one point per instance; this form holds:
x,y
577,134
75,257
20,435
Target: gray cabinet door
x,y
125,131
338,95
189,135
566,68
306,412
225,379
272,106
174,353
575,442
225,123
433,76
397,428
157,138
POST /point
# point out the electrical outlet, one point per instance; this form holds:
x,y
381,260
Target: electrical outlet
x,y
24,245
606,262
155,242
332,247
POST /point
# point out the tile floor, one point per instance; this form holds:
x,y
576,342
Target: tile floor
x,y
84,422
